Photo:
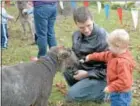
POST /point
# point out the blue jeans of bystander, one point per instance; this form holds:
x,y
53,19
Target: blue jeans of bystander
x,y
44,17
4,36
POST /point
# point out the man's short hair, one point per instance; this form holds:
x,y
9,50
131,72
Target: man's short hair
x,y
118,38
82,14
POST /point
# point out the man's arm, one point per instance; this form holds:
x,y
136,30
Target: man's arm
x,y
102,35
97,73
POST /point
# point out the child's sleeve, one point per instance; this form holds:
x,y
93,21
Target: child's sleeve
x,y
102,56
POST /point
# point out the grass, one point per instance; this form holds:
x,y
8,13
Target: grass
x,y
20,50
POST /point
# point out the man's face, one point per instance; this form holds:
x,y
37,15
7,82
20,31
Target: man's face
x,y
86,27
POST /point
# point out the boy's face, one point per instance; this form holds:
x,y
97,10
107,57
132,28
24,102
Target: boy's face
x,y
117,49
113,49
112,46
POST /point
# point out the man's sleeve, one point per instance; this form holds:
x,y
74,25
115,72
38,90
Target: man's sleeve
x,y
97,73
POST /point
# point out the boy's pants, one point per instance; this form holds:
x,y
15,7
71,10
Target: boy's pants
x,y
4,36
44,17
120,99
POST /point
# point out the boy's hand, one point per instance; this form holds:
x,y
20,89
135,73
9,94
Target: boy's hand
x,y
106,90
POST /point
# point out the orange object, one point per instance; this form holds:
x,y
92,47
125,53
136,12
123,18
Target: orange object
x,y
119,10
63,91
86,3
61,87
119,69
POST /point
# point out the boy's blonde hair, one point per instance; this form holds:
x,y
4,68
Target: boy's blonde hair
x,y
119,40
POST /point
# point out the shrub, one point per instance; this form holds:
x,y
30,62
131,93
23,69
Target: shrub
x,y
115,6
130,5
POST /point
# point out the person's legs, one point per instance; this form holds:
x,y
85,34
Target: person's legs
x,y
6,27
4,39
35,37
2,36
7,34
51,21
120,99
41,27
44,26
87,90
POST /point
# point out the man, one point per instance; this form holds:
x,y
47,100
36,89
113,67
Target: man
x,y
88,82
44,16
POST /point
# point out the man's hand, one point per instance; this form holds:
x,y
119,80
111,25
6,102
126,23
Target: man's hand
x,y
106,90
84,59
80,74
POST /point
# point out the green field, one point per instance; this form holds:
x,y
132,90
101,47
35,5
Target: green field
x,y
20,50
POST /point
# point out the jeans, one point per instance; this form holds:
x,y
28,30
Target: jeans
x,y
4,36
44,17
120,99
87,90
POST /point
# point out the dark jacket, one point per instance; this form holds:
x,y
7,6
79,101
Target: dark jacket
x,y
83,46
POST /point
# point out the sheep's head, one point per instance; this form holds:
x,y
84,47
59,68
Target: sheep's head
x,y
66,57
22,4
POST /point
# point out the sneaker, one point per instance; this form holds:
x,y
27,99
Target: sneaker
x,y
33,59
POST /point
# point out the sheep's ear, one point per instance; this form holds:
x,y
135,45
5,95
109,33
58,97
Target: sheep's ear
x,y
63,54
59,48
56,49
